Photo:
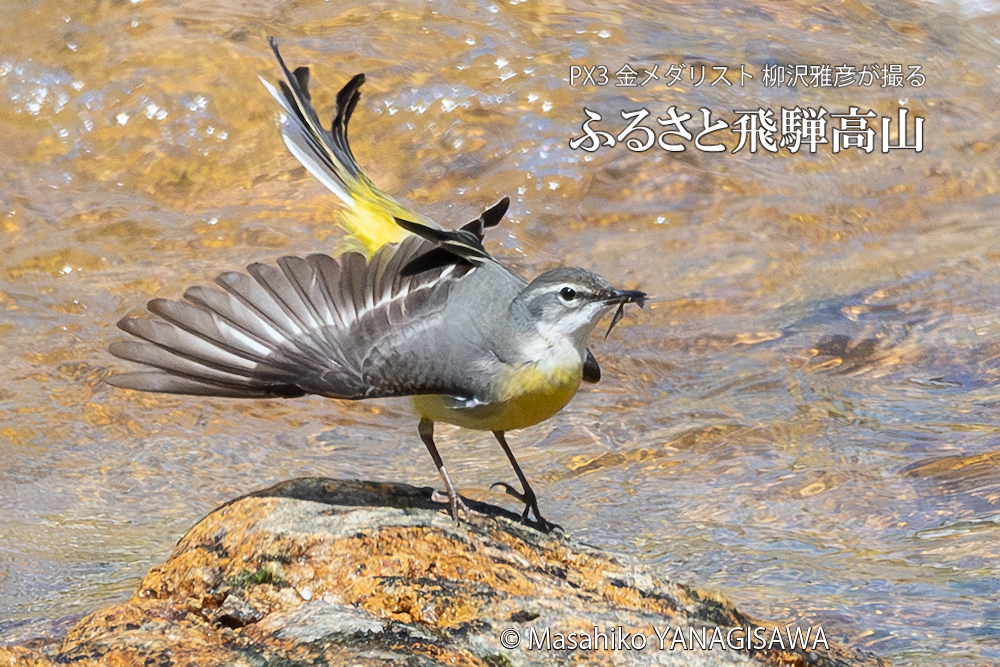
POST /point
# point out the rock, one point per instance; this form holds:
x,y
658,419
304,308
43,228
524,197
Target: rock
x,y
318,572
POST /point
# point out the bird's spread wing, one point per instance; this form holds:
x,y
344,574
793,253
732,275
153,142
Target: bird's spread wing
x,y
304,326
338,327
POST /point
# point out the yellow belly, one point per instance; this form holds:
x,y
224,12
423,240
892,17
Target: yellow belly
x,y
531,396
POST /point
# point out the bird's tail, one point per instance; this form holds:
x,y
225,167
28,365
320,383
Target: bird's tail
x,y
370,213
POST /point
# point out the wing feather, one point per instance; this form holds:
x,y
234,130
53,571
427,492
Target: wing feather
x,y
306,284
210,326
304,326
170,383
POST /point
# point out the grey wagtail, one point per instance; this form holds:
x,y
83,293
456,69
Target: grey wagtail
x,y
422,312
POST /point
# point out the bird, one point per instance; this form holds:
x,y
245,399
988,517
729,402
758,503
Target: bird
x,y
414,310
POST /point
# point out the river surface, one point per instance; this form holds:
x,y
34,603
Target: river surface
x,y
805,420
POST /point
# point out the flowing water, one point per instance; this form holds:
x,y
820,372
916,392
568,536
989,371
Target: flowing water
x,y
806,419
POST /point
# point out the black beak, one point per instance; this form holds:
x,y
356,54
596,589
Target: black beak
x,y
621,297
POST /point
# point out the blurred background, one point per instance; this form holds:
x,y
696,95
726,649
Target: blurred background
x,y
806,421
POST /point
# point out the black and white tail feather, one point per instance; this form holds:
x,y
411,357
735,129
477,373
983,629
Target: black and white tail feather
x,y
326,154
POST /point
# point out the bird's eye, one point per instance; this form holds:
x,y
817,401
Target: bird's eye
x,y
567,293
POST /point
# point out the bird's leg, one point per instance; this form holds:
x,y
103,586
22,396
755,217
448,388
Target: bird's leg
x,y
528,496
426,430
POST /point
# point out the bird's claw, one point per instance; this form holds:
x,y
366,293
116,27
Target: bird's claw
x,y
530,507
511,491
456,504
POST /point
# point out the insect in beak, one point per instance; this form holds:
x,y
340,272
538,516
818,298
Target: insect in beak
x,y
621,297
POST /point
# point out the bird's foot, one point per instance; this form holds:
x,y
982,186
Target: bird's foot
x,y
530,507
457,504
